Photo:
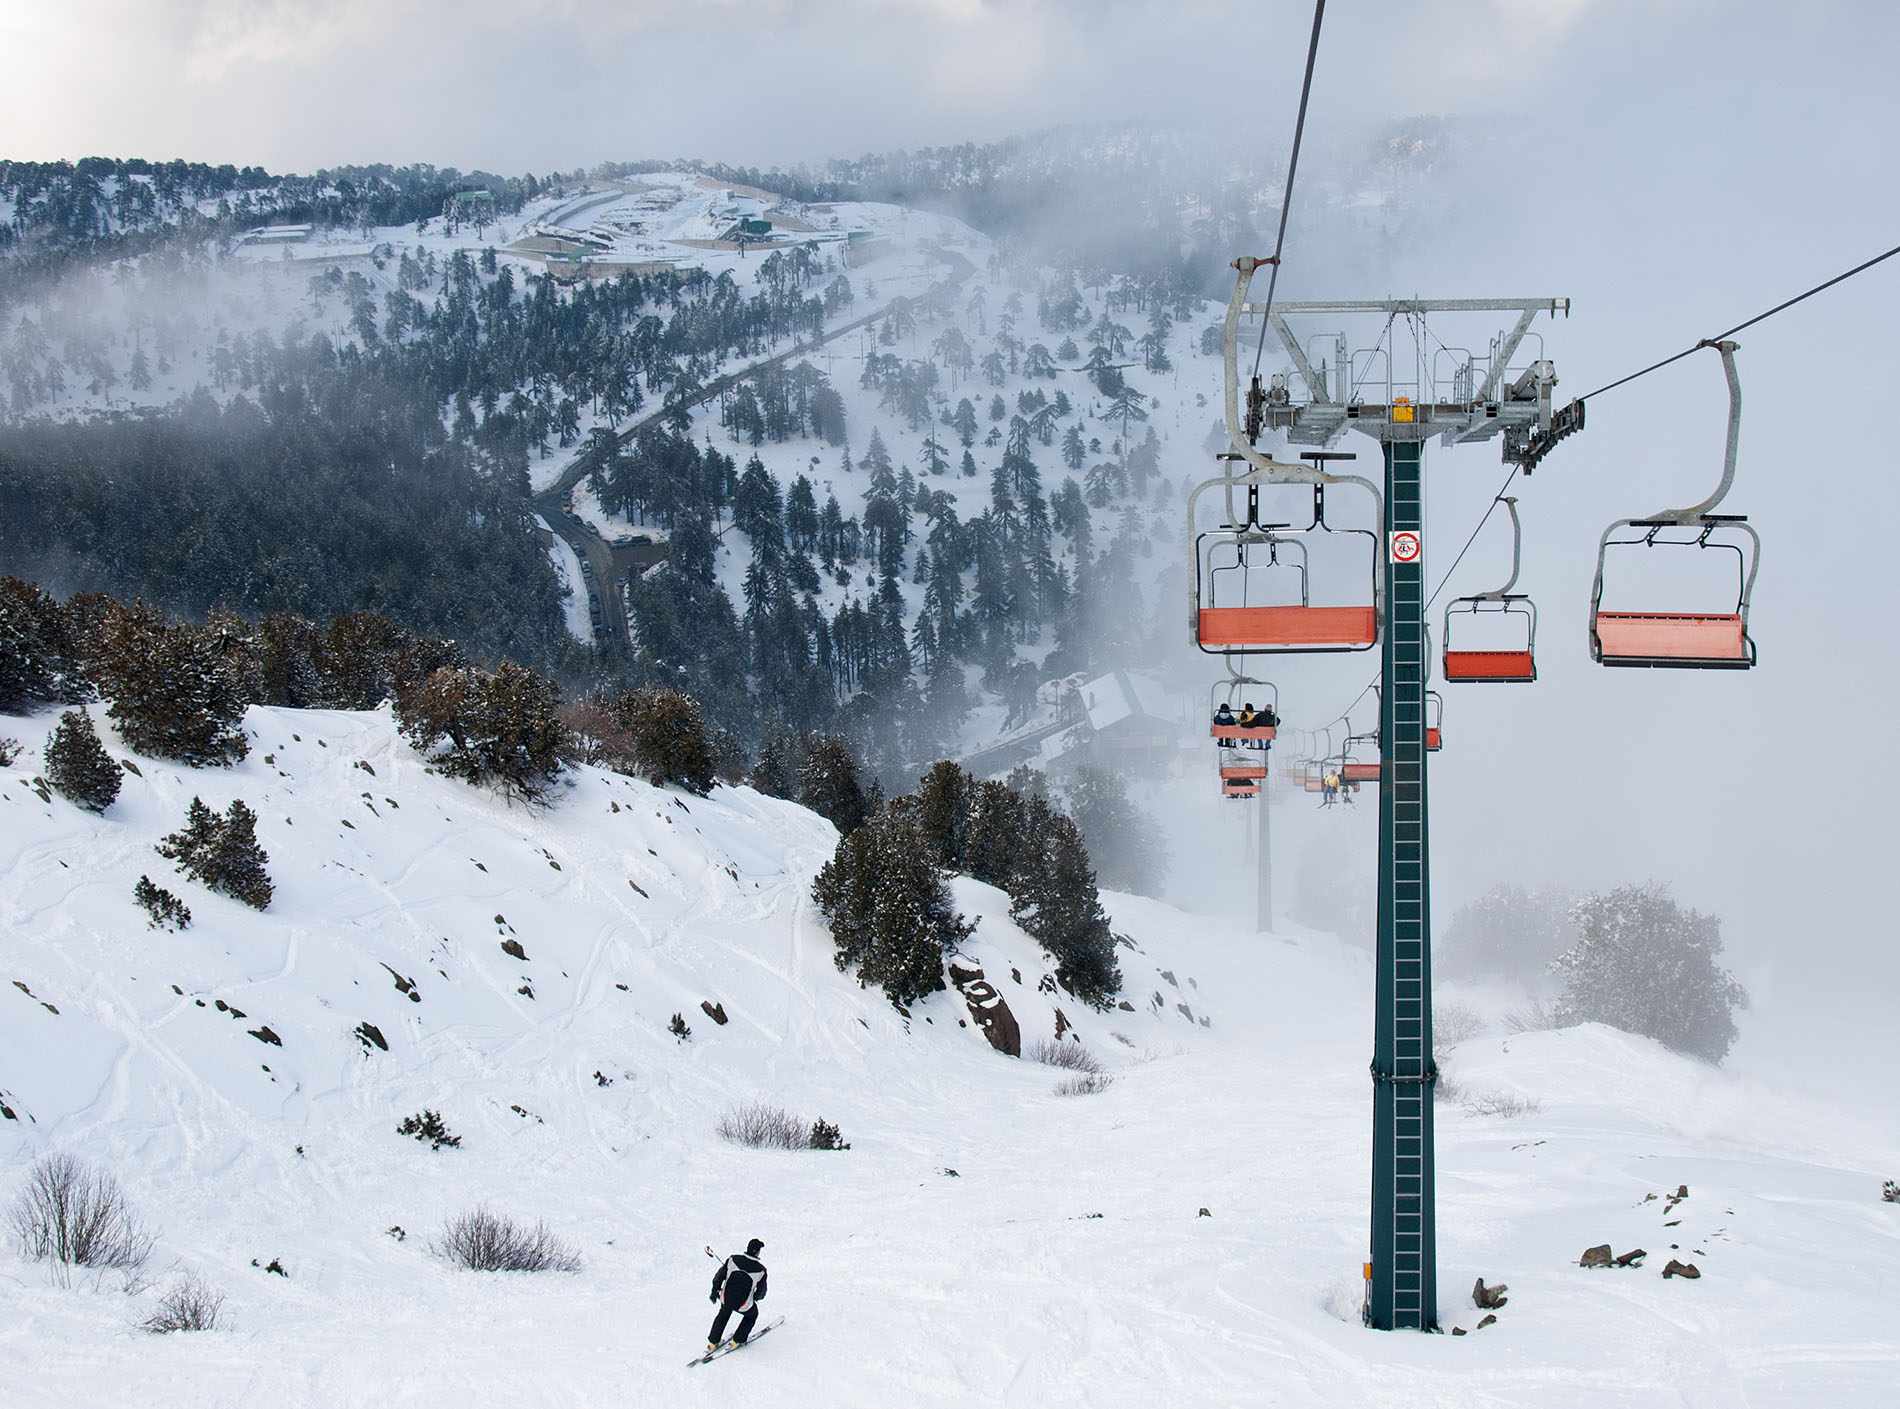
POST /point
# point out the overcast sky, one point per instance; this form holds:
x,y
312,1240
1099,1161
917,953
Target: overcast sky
x,y
514,85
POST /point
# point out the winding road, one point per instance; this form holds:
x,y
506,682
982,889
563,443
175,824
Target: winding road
x,y
614,563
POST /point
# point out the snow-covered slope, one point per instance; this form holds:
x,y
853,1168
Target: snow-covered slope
x,y
1064,1261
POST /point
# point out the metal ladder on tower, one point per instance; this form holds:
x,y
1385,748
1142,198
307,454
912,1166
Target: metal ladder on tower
x,y
1403,1290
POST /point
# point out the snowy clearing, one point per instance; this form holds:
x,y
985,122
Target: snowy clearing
x,y
1063,1263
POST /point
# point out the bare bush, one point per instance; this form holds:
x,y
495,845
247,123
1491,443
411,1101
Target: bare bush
x,y
1068,1056
1535,1016
760,1126
1503,1105
190,1305
72,1215
482,1240
1089,1084
1454,1022
9,750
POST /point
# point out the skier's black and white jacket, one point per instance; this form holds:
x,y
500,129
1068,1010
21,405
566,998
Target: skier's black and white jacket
x,y
739,1282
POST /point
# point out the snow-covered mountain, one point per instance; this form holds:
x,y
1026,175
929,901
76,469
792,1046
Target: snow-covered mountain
x,y
984,1240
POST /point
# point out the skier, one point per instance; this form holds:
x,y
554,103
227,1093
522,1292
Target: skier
x,y
738,1285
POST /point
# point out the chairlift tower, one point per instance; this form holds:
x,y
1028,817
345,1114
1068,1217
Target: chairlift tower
x,y
1457,397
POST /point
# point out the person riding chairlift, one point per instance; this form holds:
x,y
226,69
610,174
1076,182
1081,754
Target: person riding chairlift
x,y
1223,715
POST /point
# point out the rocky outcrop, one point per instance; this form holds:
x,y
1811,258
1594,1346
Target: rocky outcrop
x,y
988,1010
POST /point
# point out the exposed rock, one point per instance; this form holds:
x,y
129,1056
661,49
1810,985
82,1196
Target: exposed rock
x,y
512,948
715,1011
949,1173
1203,1214
1062,1024
1633,1258
1682,1269
1126,1006
1488,1320
1184,1011
264,1034
405,985
988,1010
1458,1330
1598,1256
1168,974
1488,1298
371,1035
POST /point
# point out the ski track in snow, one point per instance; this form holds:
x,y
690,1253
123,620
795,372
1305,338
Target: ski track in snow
x,y
901,1285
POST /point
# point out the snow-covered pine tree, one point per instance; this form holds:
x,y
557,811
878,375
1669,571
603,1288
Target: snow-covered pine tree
x,y
773,772
1054,898
1129,851
1644,964
237,865
172,693
37,664
890,913
993,834
77,764
943,807
828,783
503,728
222,852
289,645
669,738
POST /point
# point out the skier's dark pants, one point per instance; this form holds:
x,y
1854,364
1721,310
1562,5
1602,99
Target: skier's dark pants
x,y
746,1323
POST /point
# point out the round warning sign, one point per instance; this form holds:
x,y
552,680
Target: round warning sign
x,y
1406,546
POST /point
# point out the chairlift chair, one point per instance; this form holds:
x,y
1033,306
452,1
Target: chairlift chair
x,y
1512,666
1229,569
1243,735
1434,721
1685,640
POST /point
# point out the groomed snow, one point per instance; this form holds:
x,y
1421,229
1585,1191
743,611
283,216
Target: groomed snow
x,y
902,1285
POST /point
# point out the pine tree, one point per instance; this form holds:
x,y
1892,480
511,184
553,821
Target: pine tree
x,y
77,764
1054,898
502,729
237,864
37,655
222,852
172,693
890,913
772,770
669,739
829,785
943,807
993,836
1128,850
1645,965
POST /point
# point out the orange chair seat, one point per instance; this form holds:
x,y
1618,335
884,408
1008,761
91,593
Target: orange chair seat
x,y
1360,773
1260,732
1489,665
1312,785
1434,739
1288,626
1243,770
1671,636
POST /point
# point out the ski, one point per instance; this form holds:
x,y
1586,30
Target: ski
x,y
730,1346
